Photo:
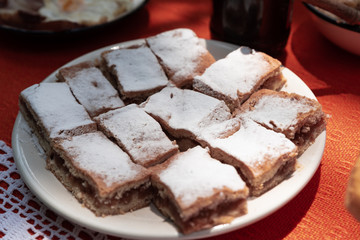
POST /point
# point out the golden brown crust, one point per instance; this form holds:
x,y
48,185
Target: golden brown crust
x,y
275,82
73,69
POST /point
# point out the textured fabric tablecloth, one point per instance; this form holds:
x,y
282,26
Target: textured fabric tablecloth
x,y
317,212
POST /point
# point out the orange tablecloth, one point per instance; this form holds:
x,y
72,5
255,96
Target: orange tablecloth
x,y
332,74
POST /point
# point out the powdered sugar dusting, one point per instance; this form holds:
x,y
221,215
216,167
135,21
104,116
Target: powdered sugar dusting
x,y
179,50
56,107
140,134
94,153
237,72
93,90
279,111
194,174
137,69
186,109
252,144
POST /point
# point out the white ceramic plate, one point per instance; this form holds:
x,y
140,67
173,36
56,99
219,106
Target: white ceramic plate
x,y
148,223
336,30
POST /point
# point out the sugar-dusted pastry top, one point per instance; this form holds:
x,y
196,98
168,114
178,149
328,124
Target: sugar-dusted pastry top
x,y
253,145
279,110
139,134
91,88
183,109
182,54
56,108
137,69
101,160
193,175
240,72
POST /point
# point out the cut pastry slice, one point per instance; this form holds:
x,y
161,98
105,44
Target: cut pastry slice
x,y
184,113
91,88
52,112
138,134
300,118
195,199
135,71
99,174
238,75
263,157
182,54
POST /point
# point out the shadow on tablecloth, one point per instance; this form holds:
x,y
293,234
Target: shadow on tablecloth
x,y
279,224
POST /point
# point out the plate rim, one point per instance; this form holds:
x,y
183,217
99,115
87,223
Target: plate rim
x,y
29,177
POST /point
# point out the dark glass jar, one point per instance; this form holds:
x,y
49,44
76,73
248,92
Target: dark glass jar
x,y
260,24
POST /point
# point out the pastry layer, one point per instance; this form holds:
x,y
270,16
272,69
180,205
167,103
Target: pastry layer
x,y
53,112
206,218
99,174
196,199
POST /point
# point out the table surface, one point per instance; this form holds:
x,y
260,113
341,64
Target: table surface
x,y
318,211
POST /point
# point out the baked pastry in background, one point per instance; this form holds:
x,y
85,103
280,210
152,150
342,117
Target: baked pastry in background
x,y
58,15
83,12
352,196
